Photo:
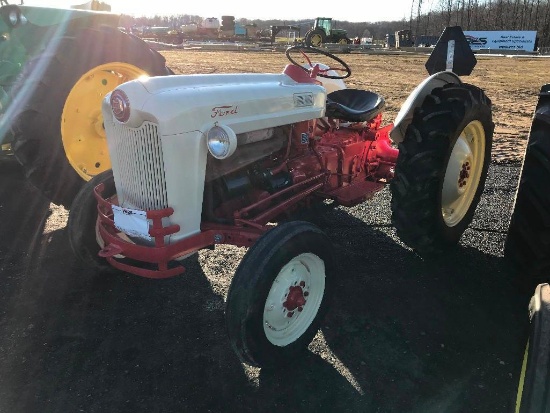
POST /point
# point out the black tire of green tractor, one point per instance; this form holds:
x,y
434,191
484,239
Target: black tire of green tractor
x,y
417,200
527,244
533,389
40,94
312,36
252,284
81,225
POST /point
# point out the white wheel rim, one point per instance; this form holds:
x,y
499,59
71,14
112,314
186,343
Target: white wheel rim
x,y
463,173
294,299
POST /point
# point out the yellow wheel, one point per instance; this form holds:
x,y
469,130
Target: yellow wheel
x,y
315,38
82,129
342,41
57,123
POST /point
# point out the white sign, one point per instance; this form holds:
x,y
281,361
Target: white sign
x,y
501,40
132,222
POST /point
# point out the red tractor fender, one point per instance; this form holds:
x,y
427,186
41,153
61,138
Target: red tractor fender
x,y
415,99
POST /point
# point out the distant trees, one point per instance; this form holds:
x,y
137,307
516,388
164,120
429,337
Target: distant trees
x,y
531,15
488,15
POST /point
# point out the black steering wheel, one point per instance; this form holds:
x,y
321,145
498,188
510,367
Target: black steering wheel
x,y
304,51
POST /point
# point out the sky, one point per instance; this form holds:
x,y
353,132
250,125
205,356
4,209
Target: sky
x,y
354,10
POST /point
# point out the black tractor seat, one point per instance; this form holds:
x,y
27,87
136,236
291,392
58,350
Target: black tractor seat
x,y
354,105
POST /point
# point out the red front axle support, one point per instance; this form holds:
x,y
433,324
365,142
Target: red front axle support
x,y
161,253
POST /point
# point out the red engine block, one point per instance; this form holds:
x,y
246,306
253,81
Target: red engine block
x,y
358,160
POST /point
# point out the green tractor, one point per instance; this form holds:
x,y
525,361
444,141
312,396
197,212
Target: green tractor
x,y
322,32
56,65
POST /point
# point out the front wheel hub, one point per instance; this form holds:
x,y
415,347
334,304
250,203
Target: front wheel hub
x,y
294,299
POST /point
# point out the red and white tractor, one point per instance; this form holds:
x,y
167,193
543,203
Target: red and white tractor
x,y
201,160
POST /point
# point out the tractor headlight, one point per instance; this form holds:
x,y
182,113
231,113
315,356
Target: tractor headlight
x,y
221,141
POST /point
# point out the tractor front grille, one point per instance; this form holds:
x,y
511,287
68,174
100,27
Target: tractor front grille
x,y
138,166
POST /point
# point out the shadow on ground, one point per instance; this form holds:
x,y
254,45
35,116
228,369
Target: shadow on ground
x,y
444,334
403,335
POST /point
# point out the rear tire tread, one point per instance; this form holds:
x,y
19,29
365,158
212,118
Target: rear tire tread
x,y
528,242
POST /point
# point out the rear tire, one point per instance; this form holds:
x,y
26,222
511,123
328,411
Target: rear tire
x,y
40,95
82,223
279,294
441,168
528,241
533,389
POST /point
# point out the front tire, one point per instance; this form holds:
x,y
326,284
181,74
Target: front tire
x,y
279,294
528,241
442,167
58,126
82,223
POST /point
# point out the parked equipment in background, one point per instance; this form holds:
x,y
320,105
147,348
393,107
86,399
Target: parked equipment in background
x,y
403,38
228,23
275,30
210,29
323,32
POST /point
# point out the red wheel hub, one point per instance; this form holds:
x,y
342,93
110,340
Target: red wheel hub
x,y
296,299
464,174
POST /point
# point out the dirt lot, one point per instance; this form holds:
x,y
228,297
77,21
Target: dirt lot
x,y
404,334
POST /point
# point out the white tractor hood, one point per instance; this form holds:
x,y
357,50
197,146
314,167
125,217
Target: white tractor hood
x,y
244,102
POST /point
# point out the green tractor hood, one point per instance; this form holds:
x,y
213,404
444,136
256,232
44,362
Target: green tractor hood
x,y
26,31
47,16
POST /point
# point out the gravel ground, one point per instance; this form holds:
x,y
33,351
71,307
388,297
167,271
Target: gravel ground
x,y
403,334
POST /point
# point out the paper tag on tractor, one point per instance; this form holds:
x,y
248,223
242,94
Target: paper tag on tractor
x,y
132,222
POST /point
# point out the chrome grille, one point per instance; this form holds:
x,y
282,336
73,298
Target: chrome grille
x,y
138,166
